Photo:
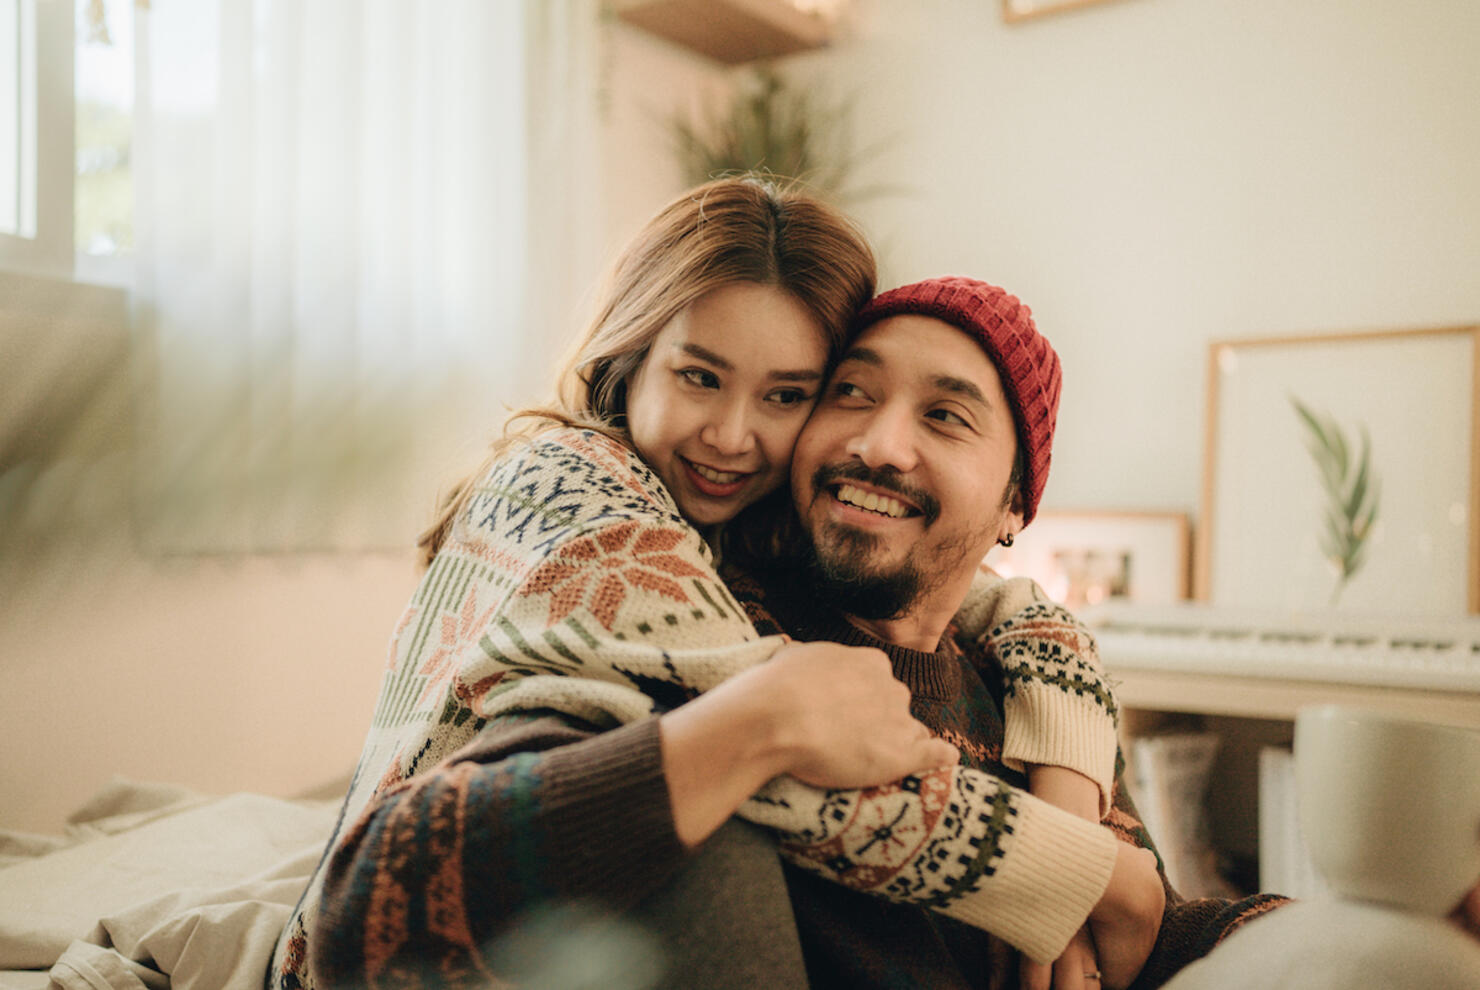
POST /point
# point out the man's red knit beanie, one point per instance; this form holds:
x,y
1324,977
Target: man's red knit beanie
x,y
1029,368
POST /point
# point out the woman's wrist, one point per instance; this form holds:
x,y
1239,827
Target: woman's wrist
x,y
718,750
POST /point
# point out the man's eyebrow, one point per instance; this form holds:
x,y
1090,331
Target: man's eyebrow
x,y
863,355
960,386
723,364
963,387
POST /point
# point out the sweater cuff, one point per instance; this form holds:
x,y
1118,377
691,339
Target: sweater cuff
x,y
613,806
1048,882
1047,726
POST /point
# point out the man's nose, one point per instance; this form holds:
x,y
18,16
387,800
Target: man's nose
x,y
729,430
886,439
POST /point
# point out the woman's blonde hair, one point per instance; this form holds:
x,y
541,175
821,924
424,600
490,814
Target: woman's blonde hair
x,y
748,229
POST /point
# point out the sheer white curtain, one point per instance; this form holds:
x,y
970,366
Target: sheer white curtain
x,y
354,221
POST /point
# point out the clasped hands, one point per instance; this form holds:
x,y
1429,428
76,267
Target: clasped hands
x,y
835,716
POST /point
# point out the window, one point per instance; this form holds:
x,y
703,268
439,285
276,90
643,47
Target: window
x,y
36,140
66,105
103,199
18,118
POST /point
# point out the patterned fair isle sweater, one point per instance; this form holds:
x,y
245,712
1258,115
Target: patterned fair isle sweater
x,y
514,750
960,691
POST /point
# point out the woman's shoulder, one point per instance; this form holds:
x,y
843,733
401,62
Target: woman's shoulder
x,y
593,460
568,479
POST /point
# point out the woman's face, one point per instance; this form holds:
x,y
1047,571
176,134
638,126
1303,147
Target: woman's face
x,y
716,406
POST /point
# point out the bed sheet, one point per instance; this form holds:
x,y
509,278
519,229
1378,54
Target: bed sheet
x,y
156,887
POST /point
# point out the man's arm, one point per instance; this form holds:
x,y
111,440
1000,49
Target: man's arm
x,y
1058,706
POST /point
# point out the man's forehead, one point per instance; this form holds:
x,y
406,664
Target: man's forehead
x,y
927,349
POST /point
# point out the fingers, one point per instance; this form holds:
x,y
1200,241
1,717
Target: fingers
x,y
1034,976
939,753
1075,969
1128,916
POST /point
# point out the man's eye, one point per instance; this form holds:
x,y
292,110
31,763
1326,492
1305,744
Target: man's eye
x,y
847,390
788,397
699,377
946,416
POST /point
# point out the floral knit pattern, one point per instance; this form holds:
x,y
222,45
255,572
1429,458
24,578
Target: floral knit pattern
x,y
572,585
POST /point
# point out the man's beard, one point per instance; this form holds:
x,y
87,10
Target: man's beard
x,y
841,576
839,564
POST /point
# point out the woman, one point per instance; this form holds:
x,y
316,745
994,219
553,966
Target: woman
x,y
574,551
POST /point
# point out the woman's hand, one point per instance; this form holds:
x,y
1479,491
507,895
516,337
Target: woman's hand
x,y
832,716
843,720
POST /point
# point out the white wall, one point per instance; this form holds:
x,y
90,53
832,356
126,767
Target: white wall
x,y
1150,175
249,673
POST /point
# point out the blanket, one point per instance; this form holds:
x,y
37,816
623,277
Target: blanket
x,y
156,887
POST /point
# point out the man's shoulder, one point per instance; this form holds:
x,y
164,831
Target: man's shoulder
x,y
767,592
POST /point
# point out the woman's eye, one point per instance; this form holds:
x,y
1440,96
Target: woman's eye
x,y
847,390
700,377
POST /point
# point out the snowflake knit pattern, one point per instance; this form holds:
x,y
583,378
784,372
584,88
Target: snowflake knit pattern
x,y
572,584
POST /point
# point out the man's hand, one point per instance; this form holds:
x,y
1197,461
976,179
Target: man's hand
x,y
1127,918
831,716
1076,969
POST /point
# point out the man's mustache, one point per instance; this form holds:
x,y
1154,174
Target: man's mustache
x,y
887,478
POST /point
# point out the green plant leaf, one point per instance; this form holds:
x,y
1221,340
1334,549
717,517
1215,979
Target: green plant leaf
x,y
1351,490
775,128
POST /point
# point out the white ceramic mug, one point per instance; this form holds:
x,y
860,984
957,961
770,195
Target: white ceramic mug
x,y
1389,806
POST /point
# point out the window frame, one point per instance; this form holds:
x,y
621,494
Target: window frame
x,y
51,251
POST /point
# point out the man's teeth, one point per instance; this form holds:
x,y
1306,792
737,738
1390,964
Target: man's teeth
x,y
882,504
718,477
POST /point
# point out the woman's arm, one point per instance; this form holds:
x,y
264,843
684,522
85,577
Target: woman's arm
x,y
538,811
830,714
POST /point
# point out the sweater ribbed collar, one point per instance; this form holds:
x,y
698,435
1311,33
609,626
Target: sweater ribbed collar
x,y
934,676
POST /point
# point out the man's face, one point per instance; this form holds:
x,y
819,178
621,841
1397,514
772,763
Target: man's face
x,y
900,474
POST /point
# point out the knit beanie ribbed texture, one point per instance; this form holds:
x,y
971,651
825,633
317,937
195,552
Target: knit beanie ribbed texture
x,y
1027,364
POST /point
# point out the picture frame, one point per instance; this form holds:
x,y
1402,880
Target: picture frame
x,y
1273,532
1014,11
1085,558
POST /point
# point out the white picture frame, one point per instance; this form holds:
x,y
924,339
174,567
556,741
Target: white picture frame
x,y
1414,393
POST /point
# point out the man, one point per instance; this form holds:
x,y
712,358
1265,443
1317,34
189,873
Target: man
x,y
931,444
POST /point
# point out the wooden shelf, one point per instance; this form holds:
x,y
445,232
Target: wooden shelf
x,y
729,31
1272,698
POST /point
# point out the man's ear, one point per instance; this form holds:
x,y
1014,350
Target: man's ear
x,y
1012,520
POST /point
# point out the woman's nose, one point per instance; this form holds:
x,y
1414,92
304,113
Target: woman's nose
x,y
729,430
